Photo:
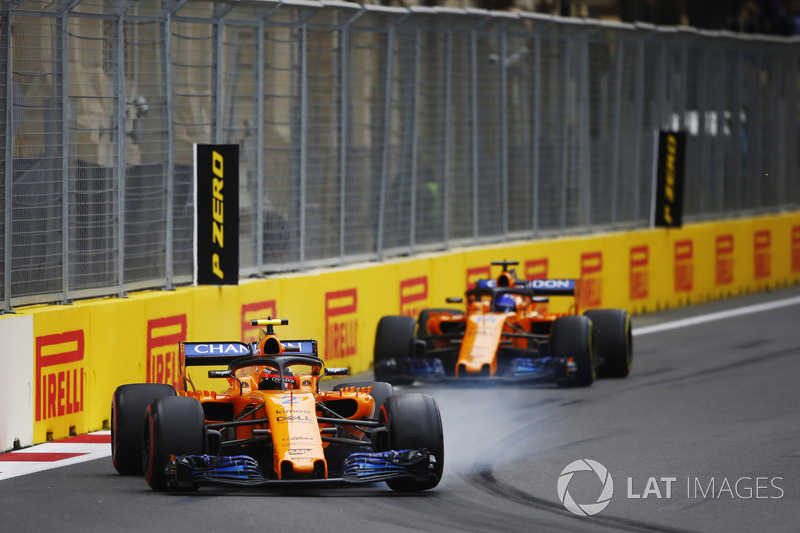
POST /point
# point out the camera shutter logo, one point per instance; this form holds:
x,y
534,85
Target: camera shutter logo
x,y
587,509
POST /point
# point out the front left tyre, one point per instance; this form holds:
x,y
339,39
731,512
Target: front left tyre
x,y
128,406
174,426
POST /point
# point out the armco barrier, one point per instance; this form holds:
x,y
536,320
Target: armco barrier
x,y
62,363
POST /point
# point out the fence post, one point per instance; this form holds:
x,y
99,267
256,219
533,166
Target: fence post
x,y
120,164
166,66
387,102
64,37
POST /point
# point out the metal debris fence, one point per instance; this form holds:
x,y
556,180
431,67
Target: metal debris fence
x,y
365,132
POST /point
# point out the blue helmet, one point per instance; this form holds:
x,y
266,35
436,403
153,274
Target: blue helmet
x,y
506,303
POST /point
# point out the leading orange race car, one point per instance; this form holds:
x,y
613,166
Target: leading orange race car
x,y
506,332
273,424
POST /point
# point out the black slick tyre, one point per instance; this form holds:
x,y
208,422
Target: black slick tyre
x,y
414,422
393,342
173,426
128,406
572,338
614,342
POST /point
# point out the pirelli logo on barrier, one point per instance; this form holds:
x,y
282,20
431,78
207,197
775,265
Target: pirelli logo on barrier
x,y
251,311
59,374
796,249
591,288
725,258
669,177
413,296
762,257
341,323
477,273
639,274
163,360
684,266
216,214
536,268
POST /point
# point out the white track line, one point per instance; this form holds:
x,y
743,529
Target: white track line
x,y
701,319
88,451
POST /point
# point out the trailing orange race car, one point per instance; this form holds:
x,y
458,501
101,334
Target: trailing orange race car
x,y
506,333
273,424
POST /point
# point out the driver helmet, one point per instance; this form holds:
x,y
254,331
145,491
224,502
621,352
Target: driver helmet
x,y
270,379
506,303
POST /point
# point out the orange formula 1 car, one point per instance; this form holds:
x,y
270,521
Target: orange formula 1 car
x,y
273,424
505,333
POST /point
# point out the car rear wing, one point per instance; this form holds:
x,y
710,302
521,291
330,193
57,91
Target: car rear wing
x,y
224,353
553,287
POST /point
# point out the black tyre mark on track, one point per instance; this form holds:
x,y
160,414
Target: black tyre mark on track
x,y
487,481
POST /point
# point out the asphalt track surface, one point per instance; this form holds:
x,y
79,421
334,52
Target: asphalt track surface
x,y
715,401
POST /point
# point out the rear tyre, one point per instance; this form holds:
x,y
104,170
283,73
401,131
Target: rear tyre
x,y
572,337
128,406
414,422
614,342
173,426
393,343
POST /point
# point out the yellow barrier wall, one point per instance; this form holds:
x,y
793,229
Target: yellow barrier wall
x,y
82,352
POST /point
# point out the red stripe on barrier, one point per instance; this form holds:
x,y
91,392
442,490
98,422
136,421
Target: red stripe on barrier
x,y
88,439
37,457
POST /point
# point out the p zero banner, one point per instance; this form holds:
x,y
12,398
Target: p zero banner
x,y
669,178
216,214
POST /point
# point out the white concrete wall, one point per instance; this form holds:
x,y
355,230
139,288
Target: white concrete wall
x,y
16,381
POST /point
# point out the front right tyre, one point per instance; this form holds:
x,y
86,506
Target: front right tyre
x,y
173,426
572,338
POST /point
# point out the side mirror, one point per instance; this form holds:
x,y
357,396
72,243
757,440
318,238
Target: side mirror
x,y
455,300
220,374
337,371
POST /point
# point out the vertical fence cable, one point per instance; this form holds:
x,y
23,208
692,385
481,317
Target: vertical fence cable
x,y
260,174
120,166
475,141
65,231
216,83
167,118
387,102
537,119
448,136
565,137
9,168
615,165
719,160
638,130
303,139
503,138
344,123
412,227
